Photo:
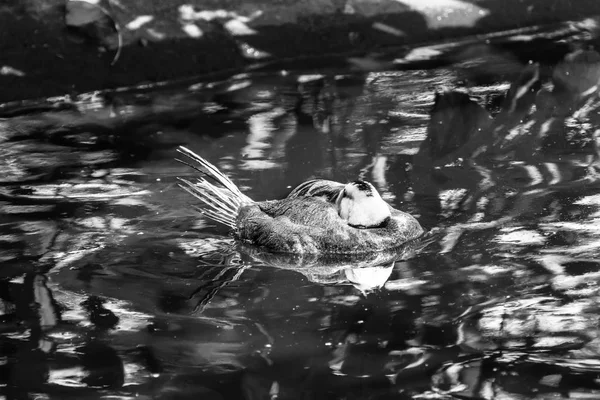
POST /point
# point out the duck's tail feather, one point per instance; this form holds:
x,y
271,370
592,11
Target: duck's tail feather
x,y
222,200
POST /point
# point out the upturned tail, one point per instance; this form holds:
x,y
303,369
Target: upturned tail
x,y
223,200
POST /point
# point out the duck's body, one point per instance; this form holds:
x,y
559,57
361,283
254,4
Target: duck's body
x,y
318,216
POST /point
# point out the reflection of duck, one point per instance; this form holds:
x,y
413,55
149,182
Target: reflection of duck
x,y
366,271
318,216
369,278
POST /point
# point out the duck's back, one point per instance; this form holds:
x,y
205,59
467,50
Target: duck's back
x,y
318,188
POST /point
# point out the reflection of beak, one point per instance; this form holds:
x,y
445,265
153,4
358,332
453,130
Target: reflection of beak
x,y
369,278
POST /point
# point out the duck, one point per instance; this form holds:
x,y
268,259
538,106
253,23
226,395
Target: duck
x,y
317,217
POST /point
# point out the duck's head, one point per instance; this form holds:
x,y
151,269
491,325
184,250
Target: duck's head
x,y
360,204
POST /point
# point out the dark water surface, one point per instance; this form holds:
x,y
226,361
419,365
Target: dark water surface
x,y
113,286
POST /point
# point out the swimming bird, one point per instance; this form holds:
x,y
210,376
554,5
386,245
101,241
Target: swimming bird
x,y
318,216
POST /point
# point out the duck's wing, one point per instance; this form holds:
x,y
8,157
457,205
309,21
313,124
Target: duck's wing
x,y
319,188
306,211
